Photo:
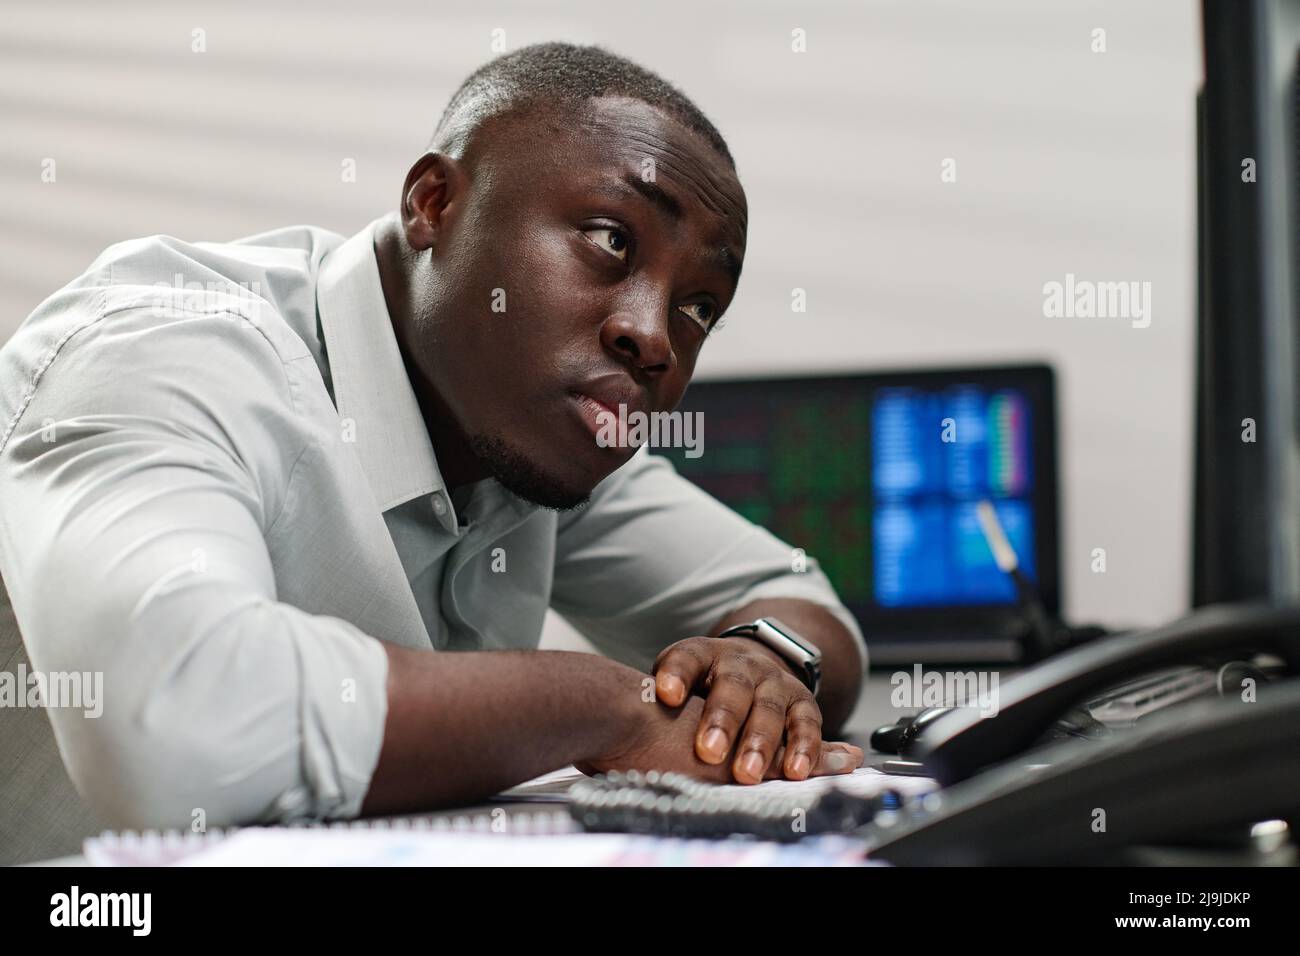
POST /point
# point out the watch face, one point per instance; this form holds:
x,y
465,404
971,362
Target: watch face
x,y
792,637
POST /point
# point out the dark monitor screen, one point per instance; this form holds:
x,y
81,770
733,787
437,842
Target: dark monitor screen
x,y
878,477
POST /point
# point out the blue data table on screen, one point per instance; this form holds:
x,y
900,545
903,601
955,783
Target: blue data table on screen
x,y
935,454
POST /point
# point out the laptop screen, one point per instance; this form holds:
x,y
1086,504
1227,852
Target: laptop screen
x,y
878,477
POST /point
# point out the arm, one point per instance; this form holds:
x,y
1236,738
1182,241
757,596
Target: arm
x,y
134,498
502,717
495,718
653,562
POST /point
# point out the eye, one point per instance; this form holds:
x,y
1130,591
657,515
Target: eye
x,y
702,312
613,241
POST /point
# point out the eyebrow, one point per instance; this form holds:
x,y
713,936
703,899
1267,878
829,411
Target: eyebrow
x,y
723,255
653,192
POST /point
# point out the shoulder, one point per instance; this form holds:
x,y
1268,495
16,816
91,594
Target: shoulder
x,y
268,279
157,316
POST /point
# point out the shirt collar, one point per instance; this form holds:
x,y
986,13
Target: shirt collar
x,y
370,383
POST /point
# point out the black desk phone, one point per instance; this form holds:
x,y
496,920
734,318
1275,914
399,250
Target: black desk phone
x,y
1195,774
1012,791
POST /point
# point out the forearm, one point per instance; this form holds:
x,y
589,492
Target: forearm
x,y
841,662
462,726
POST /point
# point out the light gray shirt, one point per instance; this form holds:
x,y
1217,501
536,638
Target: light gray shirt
x,y
217,490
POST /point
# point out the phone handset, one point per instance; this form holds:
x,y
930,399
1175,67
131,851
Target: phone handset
x,y
961,743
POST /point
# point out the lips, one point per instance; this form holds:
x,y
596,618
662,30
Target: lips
x,y
598,402
611,391
595,416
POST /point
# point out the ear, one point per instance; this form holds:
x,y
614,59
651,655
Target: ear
x,y
434,191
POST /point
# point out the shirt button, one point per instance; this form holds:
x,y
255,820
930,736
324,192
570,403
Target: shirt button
x,y
439,505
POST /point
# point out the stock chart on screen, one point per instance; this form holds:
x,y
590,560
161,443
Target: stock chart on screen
x,y
878,479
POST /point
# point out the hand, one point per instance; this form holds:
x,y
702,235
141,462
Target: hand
x,y
755,703
664,741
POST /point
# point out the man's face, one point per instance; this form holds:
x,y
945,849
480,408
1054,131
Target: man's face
x,y
583,269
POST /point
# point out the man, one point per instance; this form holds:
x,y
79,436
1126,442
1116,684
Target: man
x,y
263,486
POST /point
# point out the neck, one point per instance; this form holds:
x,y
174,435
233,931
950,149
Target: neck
x,y
398,267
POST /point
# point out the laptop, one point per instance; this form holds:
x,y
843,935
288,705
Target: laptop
x,y
878,476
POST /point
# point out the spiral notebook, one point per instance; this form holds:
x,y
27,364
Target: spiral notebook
x,y
378,842
543,837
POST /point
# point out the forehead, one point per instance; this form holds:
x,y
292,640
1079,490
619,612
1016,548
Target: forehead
x,y
609,139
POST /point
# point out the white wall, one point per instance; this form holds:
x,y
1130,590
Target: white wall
x,y
1067,161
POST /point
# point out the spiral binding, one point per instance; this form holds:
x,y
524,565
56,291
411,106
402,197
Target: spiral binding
x,y
165,847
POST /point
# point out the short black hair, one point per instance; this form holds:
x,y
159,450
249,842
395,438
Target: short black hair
x,y
560,74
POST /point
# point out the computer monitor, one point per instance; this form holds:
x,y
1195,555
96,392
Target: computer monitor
x,y
878,476
1247,494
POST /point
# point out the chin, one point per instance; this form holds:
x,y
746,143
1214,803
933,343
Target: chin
x,y
560,488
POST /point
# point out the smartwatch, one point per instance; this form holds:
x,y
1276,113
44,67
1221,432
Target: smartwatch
x,y
800,653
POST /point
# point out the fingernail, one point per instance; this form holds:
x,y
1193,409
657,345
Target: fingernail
x,y
839,761
670,686
753,764
715,741
800,766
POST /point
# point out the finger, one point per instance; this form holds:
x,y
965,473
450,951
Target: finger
x,y
680,668
774,771
803,737
731,692
764,728
838,757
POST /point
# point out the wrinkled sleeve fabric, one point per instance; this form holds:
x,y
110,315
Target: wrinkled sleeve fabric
x,y
148,460
653,559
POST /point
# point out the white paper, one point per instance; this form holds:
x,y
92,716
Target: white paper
x,y
362,847
864,782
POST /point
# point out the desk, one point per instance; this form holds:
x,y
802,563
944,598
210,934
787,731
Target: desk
x,y
873,710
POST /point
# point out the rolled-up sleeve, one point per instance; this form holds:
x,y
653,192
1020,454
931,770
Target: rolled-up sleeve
x,y
652,559
137,486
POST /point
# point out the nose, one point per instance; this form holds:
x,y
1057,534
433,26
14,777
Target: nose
x,y
640,338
